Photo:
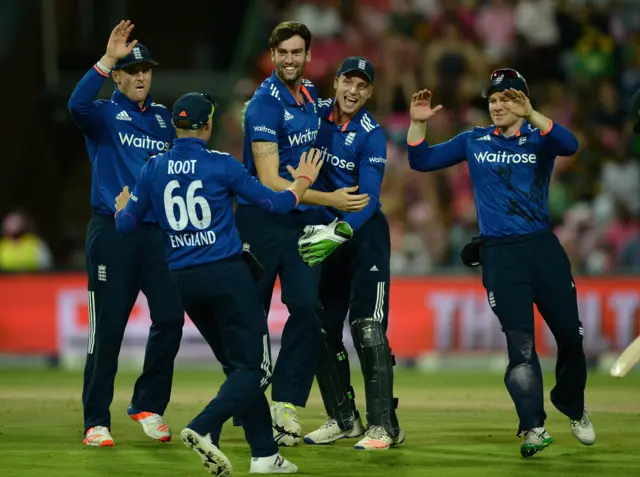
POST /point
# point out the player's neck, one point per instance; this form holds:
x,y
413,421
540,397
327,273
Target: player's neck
x,y
511,130
340,117
294,88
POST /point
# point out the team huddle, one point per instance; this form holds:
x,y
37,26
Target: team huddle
x,y
309,214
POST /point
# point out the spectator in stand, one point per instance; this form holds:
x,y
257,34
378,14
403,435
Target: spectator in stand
x,y
21,248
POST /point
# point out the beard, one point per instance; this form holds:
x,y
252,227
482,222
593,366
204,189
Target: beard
x,y
288,78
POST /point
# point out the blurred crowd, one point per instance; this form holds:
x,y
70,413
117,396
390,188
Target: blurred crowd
x,y
582,61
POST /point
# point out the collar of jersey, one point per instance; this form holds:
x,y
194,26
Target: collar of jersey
x,y
351,125
525,129
184,142
128,103
286,94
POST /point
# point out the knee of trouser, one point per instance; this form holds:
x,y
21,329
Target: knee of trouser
x,y
520,346
304,314
523,376
570,337
334,336
368,333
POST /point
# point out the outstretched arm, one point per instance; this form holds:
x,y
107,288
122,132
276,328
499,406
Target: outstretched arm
x,y
423,157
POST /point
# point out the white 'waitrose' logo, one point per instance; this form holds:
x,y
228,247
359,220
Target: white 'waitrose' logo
x,y
335,161
144,142
505,158
301,139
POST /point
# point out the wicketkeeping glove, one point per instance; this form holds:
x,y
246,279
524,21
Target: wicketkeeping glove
x,y
319,241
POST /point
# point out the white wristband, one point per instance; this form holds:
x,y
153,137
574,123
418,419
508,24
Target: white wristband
x,y
103,68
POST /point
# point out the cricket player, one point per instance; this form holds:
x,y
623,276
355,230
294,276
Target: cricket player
x,y
121,134
355,251
281,121
523,263
191,190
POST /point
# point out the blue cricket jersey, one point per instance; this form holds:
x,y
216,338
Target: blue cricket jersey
x,y
120,137
190,190
510,175
354,153
274,115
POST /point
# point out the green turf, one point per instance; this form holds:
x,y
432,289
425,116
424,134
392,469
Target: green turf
x,y
456,425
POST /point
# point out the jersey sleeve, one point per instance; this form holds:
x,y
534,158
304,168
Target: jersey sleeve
x,y
85,110
423,157
373,159
139,203
263,119
559,141
249,188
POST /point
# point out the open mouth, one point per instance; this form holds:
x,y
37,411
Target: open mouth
x,y
139,87
290,69
349,101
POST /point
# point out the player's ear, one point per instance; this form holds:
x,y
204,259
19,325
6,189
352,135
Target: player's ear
x,y
370,91
308,56
115,75
336,81
273,55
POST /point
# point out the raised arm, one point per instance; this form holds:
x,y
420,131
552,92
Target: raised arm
x,y
557,140
84,110
422,156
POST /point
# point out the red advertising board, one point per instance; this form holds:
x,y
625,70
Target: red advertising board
x,y
47,314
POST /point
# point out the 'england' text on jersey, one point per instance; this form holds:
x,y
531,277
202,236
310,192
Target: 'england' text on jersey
x,y
193,239
505,158
144,142
303,138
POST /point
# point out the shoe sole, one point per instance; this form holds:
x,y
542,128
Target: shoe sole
x,y
107,443
529,450
284,438
311,442
585,443
212,458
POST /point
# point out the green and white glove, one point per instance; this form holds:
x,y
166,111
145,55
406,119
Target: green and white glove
x,y
319,241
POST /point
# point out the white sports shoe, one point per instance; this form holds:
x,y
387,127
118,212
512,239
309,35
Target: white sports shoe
x,y
275,464
153,425
98,436
377,438
330,432
583,429
284,419
213,459
535,440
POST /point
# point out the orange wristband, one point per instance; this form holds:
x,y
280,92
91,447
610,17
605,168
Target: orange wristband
x,y
304,176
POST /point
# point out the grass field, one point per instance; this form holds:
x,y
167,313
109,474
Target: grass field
x,y
456,425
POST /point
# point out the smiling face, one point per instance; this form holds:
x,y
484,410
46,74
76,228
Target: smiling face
x,y
134,81
290,58
500,115
352,92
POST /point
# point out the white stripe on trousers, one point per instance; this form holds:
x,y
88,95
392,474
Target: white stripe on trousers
x,y
378,310
92,322
266,361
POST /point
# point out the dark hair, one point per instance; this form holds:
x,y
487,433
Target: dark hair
x,y
286,30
